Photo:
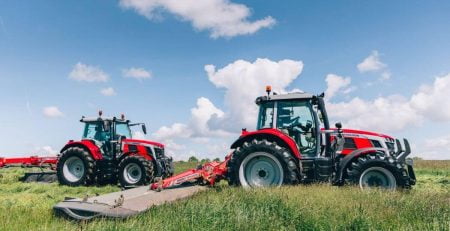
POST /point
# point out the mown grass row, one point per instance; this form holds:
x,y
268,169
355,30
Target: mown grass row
x,y
313,207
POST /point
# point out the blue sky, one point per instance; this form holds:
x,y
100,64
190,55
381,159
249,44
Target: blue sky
x,y
170,42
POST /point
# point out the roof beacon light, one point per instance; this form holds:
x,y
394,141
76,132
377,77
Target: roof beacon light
x,y
122,116
100,113
268,90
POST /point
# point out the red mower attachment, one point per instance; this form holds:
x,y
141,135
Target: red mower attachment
x,y
33,162
28,162
207,174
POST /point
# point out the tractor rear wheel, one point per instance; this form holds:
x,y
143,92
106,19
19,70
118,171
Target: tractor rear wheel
x,y
134,171
376,170
261,164
75,167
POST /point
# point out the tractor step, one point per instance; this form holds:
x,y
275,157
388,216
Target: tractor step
x,y
122,204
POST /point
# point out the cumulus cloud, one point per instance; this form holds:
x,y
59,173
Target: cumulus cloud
x,y
243,81
87,73
109,91
52,112
432,100
371,63
396,112
136,73
437,148
197,126
336,83
222,18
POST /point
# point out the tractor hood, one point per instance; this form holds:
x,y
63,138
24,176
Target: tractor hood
x,y
135,141
360,132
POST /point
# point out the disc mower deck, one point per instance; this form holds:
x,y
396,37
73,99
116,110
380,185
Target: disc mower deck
x,y
122,204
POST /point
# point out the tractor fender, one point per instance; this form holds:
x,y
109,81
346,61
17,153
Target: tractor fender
x,y
270,134
352,156
87,145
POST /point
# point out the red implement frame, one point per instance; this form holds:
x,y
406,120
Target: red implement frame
x,y
207,174
32,161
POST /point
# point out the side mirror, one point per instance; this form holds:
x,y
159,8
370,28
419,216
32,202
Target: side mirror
x,y
144,129
338,125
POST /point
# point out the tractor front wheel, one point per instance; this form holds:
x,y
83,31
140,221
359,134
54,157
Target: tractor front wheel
x,y
134,171
262,164
75,167
376,170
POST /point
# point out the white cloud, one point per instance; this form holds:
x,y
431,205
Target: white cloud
x,y
87,73
437,148
136,73
371,63
335,83
109,91
433,100
222,18
383,114
243,81
396,112
138,135
45,151
52,112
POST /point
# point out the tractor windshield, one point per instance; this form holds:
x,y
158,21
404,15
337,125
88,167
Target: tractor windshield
x,y
265,119
122,129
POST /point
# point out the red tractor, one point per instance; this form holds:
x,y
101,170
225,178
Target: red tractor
x,y
290,147
107,153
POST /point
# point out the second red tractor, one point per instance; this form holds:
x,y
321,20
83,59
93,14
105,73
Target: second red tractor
x,y
107,153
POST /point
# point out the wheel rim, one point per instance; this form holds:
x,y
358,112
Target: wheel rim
x,y
261,170
73,169
132,173
377,177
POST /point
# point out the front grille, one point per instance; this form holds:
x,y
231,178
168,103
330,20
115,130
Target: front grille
x,y
376,143
390,146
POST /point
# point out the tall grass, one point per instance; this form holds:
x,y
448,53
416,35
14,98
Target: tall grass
x,y
27,206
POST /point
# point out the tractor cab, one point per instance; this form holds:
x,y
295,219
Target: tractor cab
x,y
300,116
106,132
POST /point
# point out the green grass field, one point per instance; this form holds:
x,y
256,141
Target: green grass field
x,y
28,206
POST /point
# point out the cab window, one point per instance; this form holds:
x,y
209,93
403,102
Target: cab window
x,y
265,119
95,131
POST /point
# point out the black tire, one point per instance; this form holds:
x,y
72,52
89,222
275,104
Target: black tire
x,y
381,163
106,172
143,165
63,174
291,171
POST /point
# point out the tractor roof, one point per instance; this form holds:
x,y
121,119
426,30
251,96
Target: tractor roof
x,y
99,119
288,96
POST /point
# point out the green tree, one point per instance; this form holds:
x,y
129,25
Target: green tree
x,y
193,159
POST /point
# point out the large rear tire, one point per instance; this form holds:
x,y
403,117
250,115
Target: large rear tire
x,y
75,167
376,170
262,164
134,171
